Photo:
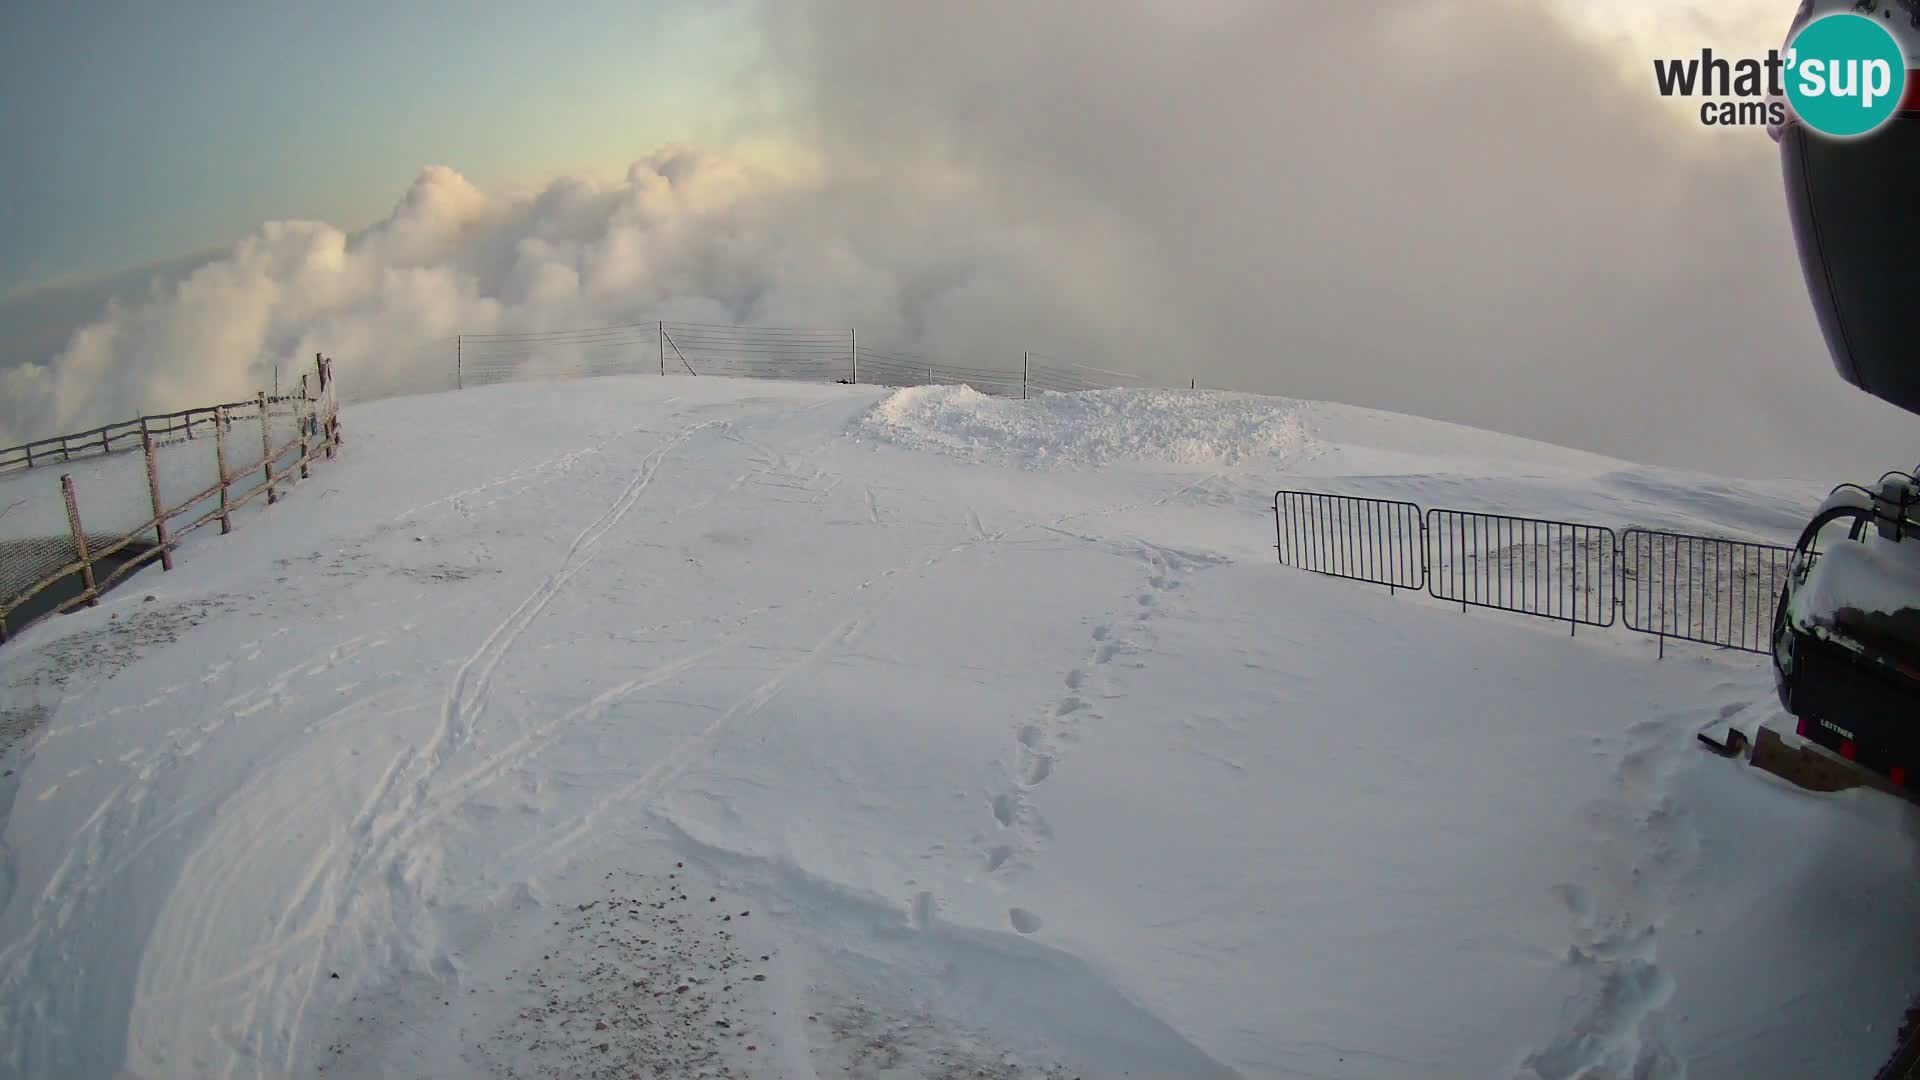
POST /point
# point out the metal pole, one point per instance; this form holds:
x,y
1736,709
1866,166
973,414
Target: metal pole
x,y
220,461
79,537
855,339
459,362
159,509
1025,360
661,327
266,445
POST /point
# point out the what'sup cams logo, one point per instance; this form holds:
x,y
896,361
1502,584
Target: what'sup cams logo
x,y
1842,74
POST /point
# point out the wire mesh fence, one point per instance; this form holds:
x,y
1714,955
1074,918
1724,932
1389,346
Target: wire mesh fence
x,y
1712,590
760,352
670,347
480,359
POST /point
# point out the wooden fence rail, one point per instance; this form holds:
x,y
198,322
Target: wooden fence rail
x,y
317,435
127,434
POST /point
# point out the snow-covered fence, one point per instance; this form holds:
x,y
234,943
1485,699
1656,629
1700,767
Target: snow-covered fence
x,y
1706,589
65,541
763,352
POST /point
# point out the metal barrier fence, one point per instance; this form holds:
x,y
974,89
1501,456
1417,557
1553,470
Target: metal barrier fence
x,y
1553,569
1704,589
1376,540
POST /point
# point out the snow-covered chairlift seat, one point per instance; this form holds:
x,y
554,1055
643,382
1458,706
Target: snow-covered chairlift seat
x,y
1847,633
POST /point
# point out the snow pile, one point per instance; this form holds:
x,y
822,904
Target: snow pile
x,y
1095,427
1872,578
543,702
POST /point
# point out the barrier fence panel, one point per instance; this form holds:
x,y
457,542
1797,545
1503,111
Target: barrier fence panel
x,y
1554,569
1702,588
1376,540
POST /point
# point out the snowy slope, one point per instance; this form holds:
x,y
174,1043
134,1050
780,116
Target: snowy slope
x,y
656,726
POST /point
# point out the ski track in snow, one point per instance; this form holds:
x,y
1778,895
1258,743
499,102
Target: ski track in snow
x,y
394,812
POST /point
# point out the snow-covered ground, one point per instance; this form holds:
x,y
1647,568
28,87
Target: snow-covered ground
x,y
678,727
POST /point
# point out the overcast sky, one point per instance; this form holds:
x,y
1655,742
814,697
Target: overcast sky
x,y
1472,209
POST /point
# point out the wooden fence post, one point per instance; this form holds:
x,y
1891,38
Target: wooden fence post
x,y
336,405
79,537
220,458
459,362
1025,360
266,445
106,447
306,428
159,508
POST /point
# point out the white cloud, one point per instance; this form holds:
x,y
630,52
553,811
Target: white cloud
x,y
1450,208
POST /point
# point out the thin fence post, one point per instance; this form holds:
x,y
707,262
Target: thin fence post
x,y
79,537
159,508
459,362
106,447
266,445
854,338
220,461
1026,359
335,422
66,455
660,331
306,424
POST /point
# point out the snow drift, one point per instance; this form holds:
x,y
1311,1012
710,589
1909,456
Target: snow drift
x,y
1178,427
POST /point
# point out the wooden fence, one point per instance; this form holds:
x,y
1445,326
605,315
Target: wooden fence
x,y
317,435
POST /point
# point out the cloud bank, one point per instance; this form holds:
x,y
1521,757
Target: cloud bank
x,y
1456,208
